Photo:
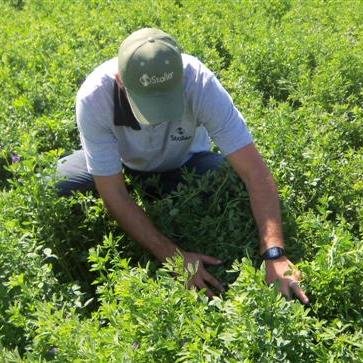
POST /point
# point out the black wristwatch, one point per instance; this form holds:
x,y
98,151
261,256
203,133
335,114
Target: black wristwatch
x,y
273,253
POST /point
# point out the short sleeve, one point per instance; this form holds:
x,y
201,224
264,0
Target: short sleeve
x,y
98,141
215,110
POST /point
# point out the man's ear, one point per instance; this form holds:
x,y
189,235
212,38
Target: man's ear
x,y
118,80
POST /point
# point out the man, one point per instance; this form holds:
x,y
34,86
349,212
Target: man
x,y
153,109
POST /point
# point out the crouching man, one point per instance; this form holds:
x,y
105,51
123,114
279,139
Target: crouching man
x,y
153,109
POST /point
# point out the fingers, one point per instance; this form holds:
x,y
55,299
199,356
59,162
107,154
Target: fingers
x,y
202,279
288,276
290,286
202,285
213,281
295,287
210,260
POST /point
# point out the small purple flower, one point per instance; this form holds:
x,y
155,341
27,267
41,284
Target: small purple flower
x,y
15,158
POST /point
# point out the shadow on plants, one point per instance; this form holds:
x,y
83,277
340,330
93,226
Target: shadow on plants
x,y
209,214
16,4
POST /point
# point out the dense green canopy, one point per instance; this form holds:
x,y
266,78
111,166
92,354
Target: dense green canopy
x,y
73,287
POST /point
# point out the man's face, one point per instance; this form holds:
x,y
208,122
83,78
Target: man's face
x,y
119,81
121,86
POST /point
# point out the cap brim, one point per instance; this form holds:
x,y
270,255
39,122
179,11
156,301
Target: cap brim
x,y
153,109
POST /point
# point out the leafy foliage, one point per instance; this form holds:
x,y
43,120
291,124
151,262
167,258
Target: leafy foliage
x,y
73,287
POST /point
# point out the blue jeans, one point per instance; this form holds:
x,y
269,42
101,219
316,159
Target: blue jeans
x,y
73,170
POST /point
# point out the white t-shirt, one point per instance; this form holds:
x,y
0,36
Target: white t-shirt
x,y
209,112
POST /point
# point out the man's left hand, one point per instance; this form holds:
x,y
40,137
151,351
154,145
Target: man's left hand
x,y
289,277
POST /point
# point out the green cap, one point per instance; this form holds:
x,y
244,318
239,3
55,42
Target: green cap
x,y
151,69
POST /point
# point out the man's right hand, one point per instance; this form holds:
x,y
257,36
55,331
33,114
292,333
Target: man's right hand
x,y
202,278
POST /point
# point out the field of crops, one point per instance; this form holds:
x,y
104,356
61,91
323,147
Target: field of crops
x,y
73,287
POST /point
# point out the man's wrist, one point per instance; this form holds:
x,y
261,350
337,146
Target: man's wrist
x,y
164,249
273,253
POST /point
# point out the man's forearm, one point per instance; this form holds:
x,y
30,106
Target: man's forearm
x,y
138,226
248,164
266,210
262,190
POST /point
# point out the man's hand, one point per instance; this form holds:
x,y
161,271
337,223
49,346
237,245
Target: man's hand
x,y
288,276
203,278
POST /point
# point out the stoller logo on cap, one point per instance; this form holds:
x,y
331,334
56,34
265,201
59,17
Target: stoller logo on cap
x,y
151,68
146,80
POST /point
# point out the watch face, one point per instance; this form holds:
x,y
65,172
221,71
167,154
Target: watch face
x,y
274,252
